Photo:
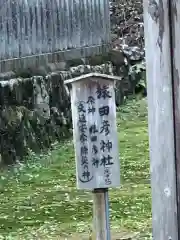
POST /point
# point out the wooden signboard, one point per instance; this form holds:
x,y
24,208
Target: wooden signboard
x,y
95,132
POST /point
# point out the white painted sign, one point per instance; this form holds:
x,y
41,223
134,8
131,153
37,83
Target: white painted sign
x,y
95,131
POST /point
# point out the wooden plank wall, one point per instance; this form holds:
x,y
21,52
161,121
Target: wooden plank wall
x,y
48,29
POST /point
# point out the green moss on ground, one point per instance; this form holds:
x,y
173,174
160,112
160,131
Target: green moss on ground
x,y
39,200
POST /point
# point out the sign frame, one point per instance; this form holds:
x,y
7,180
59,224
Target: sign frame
x,y
84,90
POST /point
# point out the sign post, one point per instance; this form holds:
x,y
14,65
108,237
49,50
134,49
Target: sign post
x,y
96,142
101,214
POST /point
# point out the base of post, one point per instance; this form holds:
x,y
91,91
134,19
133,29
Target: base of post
x,y
101,214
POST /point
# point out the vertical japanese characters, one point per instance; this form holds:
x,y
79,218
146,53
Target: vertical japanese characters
x,y
95,139
105,144
82,124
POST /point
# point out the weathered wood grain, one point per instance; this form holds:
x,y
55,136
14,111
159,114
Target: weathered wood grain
x,y
99,215
40,27
96,114
161,118
175,51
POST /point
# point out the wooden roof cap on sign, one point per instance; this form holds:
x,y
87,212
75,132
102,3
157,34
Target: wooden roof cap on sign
x,y
93,75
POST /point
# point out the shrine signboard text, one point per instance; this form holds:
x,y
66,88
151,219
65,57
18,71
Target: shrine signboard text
x,y
95,132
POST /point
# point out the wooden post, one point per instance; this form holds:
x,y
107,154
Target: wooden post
x,y
101,220
175,51
96,142
162,74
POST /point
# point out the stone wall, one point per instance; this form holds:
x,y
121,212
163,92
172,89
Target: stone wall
x,y
127,31
35,111
35,105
